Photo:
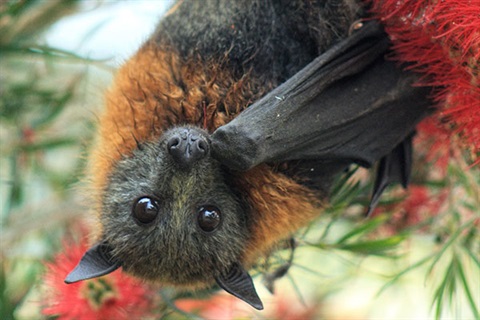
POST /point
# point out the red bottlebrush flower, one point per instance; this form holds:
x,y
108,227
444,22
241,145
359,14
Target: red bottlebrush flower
x,y
420,203
441,39
291,309
219,306
115,296
225,307
434,141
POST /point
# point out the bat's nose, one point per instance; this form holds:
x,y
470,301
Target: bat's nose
x,y
187,146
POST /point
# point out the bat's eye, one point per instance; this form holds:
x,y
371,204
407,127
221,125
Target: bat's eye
x,y
209,218
145,210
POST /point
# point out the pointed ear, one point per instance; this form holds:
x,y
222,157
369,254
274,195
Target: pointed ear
x,y
95,262
239,283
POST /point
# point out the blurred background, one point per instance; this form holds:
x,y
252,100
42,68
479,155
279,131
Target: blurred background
x,y
418,257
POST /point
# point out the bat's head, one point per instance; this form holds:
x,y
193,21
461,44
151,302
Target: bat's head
x,y
170,215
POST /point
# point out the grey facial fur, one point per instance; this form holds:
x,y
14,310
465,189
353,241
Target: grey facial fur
x,y
172,249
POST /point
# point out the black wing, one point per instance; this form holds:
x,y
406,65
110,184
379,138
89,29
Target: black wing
x,y
349,105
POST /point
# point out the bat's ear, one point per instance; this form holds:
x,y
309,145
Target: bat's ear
x,y
95,262
238,282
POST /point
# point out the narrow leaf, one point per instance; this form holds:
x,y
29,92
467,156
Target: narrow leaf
x,y
404,271
372,247
471,300
363,228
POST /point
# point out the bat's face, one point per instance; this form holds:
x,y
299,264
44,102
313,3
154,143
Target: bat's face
x,y
169,214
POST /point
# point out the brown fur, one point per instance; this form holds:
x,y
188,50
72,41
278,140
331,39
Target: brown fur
x,y
280,207
154,91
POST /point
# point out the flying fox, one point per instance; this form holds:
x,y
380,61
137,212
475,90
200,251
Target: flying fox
x,y
221,136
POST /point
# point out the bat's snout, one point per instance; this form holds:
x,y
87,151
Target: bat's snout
x,y
187,146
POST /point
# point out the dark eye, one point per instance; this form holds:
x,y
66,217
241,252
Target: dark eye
x,y
209,218
145,210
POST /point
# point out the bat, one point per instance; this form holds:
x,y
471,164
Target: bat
x,y
222,134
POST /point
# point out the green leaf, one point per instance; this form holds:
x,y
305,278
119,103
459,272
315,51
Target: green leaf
x,y
449,243
447,284
297,290
340,183
466,288
473,256
47,144
47,51
56,106
374,247
7,308
405,271
364,227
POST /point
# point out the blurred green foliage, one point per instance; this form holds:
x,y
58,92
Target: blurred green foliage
x,y
45,130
